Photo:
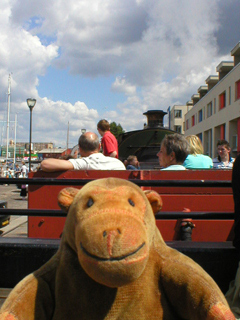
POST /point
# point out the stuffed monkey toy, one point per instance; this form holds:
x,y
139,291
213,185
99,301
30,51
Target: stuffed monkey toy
x,y
113,264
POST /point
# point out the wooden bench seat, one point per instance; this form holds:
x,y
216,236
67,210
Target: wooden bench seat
x,y
21,256
175,198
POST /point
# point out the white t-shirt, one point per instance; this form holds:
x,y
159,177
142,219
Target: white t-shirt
x,y
97,161
24,170
174,167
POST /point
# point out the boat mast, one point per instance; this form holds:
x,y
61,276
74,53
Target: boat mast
x,y
15,140
8,112
68,135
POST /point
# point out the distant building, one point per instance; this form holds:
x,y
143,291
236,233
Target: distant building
x,y
19,151
22,148
216,108
37,146
177,116
53,153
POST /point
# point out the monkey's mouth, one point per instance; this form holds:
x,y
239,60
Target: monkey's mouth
x,y
112,258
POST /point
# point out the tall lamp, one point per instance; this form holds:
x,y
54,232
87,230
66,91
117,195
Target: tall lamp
x,y
31,103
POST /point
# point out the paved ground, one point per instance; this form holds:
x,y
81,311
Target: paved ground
x,y
18,224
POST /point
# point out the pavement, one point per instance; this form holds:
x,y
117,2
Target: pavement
x,y
18,224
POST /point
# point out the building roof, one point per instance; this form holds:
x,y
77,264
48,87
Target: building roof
x,y
212,79
236,50
202,88
52,150
195,96
225,66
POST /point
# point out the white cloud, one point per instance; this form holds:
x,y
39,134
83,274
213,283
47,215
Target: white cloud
x,y
121,85
164,50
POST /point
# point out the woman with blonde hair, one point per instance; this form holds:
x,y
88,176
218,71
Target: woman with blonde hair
x,y
196,159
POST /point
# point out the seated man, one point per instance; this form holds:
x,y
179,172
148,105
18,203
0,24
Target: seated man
x,y
173,151
224,159
91,158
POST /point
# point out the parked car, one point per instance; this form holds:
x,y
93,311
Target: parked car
x,y
4,219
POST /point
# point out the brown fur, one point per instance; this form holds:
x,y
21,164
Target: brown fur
x,y
113,264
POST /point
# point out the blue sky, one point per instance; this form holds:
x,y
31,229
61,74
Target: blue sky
x,y
91,59
95,92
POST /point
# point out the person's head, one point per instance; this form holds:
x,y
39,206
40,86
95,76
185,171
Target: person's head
x,y
223,149
23,163
132,160
195,144
88,143
174,150
103,126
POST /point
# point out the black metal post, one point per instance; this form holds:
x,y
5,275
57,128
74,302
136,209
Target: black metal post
x,y
30,138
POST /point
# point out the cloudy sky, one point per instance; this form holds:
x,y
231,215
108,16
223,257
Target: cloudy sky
x,y
86,60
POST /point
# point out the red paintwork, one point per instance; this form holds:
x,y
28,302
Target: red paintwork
x,y
238,130
174,199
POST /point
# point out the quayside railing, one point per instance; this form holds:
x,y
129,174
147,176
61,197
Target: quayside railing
x,y
204,196
142,183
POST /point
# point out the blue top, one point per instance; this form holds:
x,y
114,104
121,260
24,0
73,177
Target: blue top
x,y
131,167
223,165
198,161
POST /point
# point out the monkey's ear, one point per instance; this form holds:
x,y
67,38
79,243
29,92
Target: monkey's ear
x,y
65,198
155,200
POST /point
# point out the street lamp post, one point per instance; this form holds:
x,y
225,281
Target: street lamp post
x,y
31,103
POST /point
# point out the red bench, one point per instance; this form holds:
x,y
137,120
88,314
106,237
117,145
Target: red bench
x,y
175,199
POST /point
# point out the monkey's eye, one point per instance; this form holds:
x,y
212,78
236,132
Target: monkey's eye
x,y
90,202
131,202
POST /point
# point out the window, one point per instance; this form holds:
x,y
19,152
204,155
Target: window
x,y
234,142
209,109
200,115
187,124
223,131
193,120
209,143
178,113
215,105
229,97
222,100
178,129
238,90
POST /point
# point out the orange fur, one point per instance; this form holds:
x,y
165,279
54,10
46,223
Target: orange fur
x,y
113,264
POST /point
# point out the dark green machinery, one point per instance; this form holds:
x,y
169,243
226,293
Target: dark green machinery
x,y
145,143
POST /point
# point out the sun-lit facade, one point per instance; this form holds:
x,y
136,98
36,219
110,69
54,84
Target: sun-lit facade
x,y
177,116
216,109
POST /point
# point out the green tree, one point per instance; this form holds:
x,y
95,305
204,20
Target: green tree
x,y
116,129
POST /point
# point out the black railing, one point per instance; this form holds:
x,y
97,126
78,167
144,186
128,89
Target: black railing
x,y
144,183
139,182
160,215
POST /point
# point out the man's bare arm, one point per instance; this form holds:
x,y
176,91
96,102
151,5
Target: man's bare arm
x,y
51,165
113,154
